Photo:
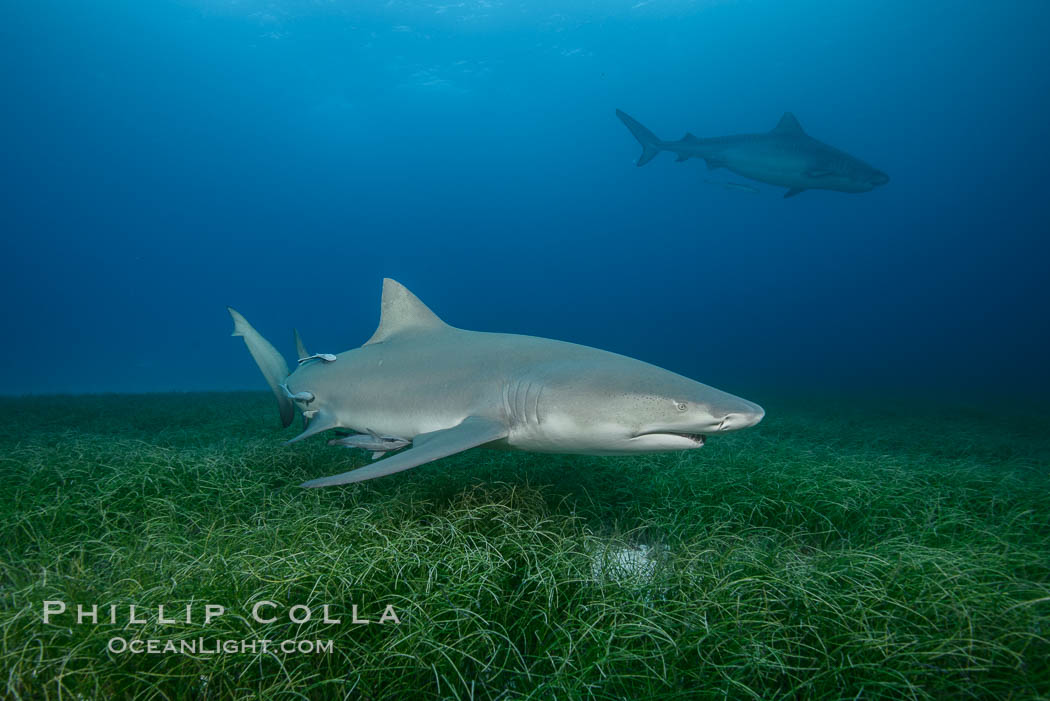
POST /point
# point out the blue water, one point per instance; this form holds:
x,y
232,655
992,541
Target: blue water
x,y
162,160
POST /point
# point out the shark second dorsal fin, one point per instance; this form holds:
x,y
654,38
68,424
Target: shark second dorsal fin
x,y
402,311
300,347
789,126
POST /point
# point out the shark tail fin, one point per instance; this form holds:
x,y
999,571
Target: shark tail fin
x,y
273,366
651,144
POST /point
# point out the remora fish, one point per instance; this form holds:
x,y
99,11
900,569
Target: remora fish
x,y
785,156
733,186
372,442
448,390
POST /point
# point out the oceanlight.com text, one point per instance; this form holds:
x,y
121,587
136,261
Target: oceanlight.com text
x,y
202,646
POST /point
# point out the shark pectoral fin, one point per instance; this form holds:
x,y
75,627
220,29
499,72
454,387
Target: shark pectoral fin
x,y
794,191
426,447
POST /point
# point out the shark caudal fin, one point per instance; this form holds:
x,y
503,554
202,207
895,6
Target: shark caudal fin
x,y
272,364
651,144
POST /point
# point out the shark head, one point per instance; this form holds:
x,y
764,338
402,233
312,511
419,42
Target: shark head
x,y
627,406
854,175
843,173
877,178
835,170
828,168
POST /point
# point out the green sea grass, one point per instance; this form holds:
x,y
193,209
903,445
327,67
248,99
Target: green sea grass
x,y
835,551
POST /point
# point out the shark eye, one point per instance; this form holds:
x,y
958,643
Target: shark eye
x,y
681,406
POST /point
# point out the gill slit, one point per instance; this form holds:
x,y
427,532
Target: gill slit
x,y
525,404
536,405
514,402
507,411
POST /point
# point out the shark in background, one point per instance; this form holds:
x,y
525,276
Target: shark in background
x,y
441,390
785,156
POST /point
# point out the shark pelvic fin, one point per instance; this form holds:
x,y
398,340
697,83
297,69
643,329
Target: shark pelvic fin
x,y
793,191
300,347
789,126
402,311
272,364
426,447
320,421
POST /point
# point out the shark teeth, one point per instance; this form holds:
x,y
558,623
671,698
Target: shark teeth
x,y
697,438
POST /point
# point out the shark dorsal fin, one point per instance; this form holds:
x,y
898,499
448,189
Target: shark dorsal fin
x,y
400,311
789,126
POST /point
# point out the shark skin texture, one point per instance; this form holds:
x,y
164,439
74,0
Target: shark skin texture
x,y
786,156
445,390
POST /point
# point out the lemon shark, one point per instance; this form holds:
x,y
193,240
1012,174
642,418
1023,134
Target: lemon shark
x,y
785,156
442,390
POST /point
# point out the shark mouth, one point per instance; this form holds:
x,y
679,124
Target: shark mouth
x,y
698,439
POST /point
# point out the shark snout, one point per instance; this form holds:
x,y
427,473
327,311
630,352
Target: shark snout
x,y
879,178
742,418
